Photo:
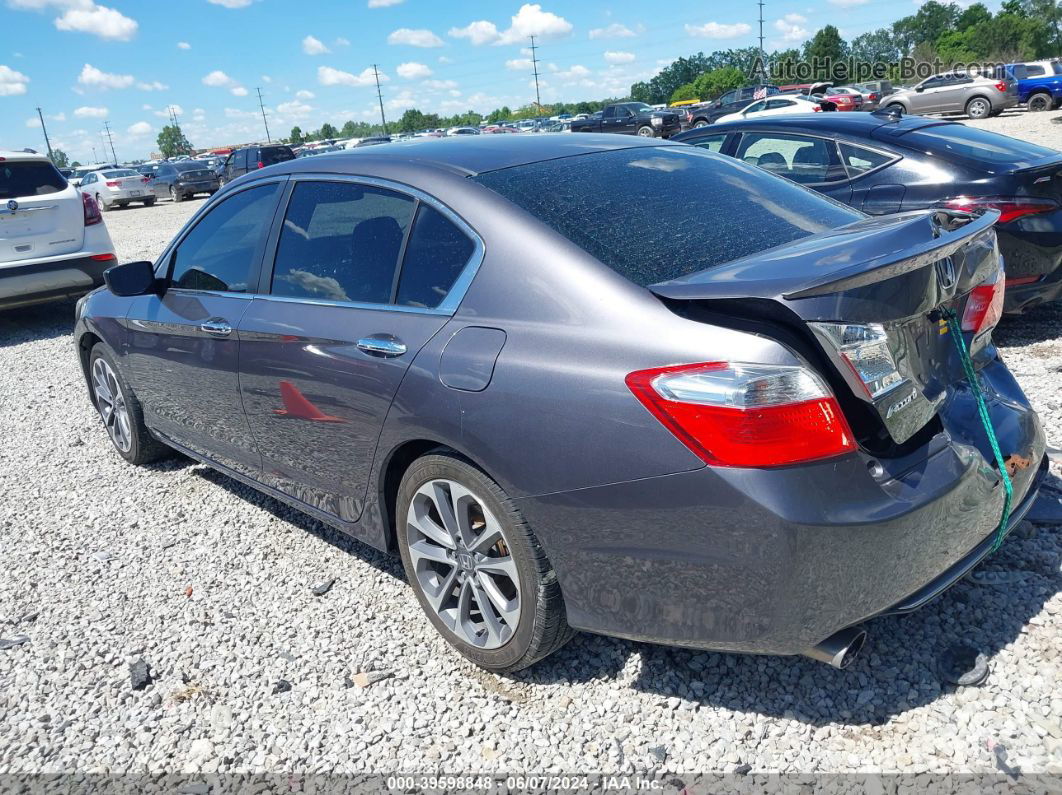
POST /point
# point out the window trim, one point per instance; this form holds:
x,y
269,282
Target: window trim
x,y
893,157
165,260
446,308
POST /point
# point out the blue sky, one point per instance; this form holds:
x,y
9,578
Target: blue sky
x,y
125,61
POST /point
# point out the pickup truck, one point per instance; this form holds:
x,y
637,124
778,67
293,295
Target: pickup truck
x,y
631,118
1038,92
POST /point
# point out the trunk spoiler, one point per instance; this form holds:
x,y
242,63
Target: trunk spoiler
x,y
845,260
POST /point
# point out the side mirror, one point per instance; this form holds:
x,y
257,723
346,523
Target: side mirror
x,y
131,278
919,89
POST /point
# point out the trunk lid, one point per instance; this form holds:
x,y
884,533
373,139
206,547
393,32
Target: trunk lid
x,y
45,225
895,272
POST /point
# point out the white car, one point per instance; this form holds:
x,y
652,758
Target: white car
x,y
777,105
53,243
118,187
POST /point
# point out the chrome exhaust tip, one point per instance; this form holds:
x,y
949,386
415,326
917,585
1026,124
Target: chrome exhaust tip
x,y
840,649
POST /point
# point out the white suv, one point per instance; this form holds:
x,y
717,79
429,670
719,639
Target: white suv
x,y
53,244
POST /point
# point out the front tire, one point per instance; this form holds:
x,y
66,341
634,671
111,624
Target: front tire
x,y
645,131
978,108
477,569
120,410
896,107
700,123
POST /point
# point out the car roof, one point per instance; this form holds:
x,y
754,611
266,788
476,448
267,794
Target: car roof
x,y
10,155
469,155
856,124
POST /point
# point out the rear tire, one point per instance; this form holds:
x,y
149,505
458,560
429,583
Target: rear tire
x,y
103,205
120,410
700,123
150,202
978,108
447,515
1040,102
176,195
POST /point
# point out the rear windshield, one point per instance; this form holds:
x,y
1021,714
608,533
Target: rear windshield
x,y
276,154
974,145
658,213
121,172
29,178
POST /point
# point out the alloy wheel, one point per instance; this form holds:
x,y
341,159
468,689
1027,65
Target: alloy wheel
x,y
463,564
110,402
977,109
645,132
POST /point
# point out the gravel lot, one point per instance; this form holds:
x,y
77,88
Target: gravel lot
x,y
210,584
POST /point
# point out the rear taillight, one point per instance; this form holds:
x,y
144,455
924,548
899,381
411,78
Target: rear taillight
x,y
112,183
1001,87
984,306
91,210
144,180
745,415
865,349
1018,281
261,164
103,257
1010,207
817,109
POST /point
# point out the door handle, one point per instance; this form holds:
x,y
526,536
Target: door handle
x,y
216,326
382,346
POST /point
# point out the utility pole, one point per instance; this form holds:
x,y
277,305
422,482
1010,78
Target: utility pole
x,y
534,66
46,141
110,140
763,60
379,97
266,123
95,158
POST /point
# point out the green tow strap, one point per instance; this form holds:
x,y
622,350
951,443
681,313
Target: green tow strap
x,y
960,345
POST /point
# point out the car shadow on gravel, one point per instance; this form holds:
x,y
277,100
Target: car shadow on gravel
x,y
27,324
379,560
899,669
1039,324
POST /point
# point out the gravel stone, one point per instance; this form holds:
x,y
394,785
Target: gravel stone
x,y
598,704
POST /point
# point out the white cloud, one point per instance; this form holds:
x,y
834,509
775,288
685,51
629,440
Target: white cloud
x,y
479,32
420,37
140,128
183,45
12,83
294,108
440,85
577,72
89,112
791,26
164,113
341,42
519,64
154,85
217,78
231,3
531,20
33,121
85,16
327,76
267,79
91,76
314,46
616,56
716,30
383,3
238,91
443,59
304,94
616,31
412,70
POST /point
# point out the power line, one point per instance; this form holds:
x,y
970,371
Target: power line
x,y
266,123
534,66
379,97
46,141
110,140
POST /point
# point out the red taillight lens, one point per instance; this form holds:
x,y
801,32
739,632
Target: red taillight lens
x,y
103,257
984,307
1001,87
1010,207
1018,281
261,164
112,183
144,180
745,415
817,109
91,210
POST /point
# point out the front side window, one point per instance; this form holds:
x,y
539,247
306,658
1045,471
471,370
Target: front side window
x,y
218,254
726,99
341,242
802,159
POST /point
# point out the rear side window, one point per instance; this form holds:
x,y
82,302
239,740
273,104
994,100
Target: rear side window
x,y
275,154
728,209
436,254
341,242
713,143
807,160
974,145
29,178
858,160
218,254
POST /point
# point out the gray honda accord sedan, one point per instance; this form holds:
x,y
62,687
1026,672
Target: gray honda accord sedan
x,y
621,386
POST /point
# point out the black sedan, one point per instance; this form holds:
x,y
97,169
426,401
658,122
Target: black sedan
x,y
184,179
884,164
